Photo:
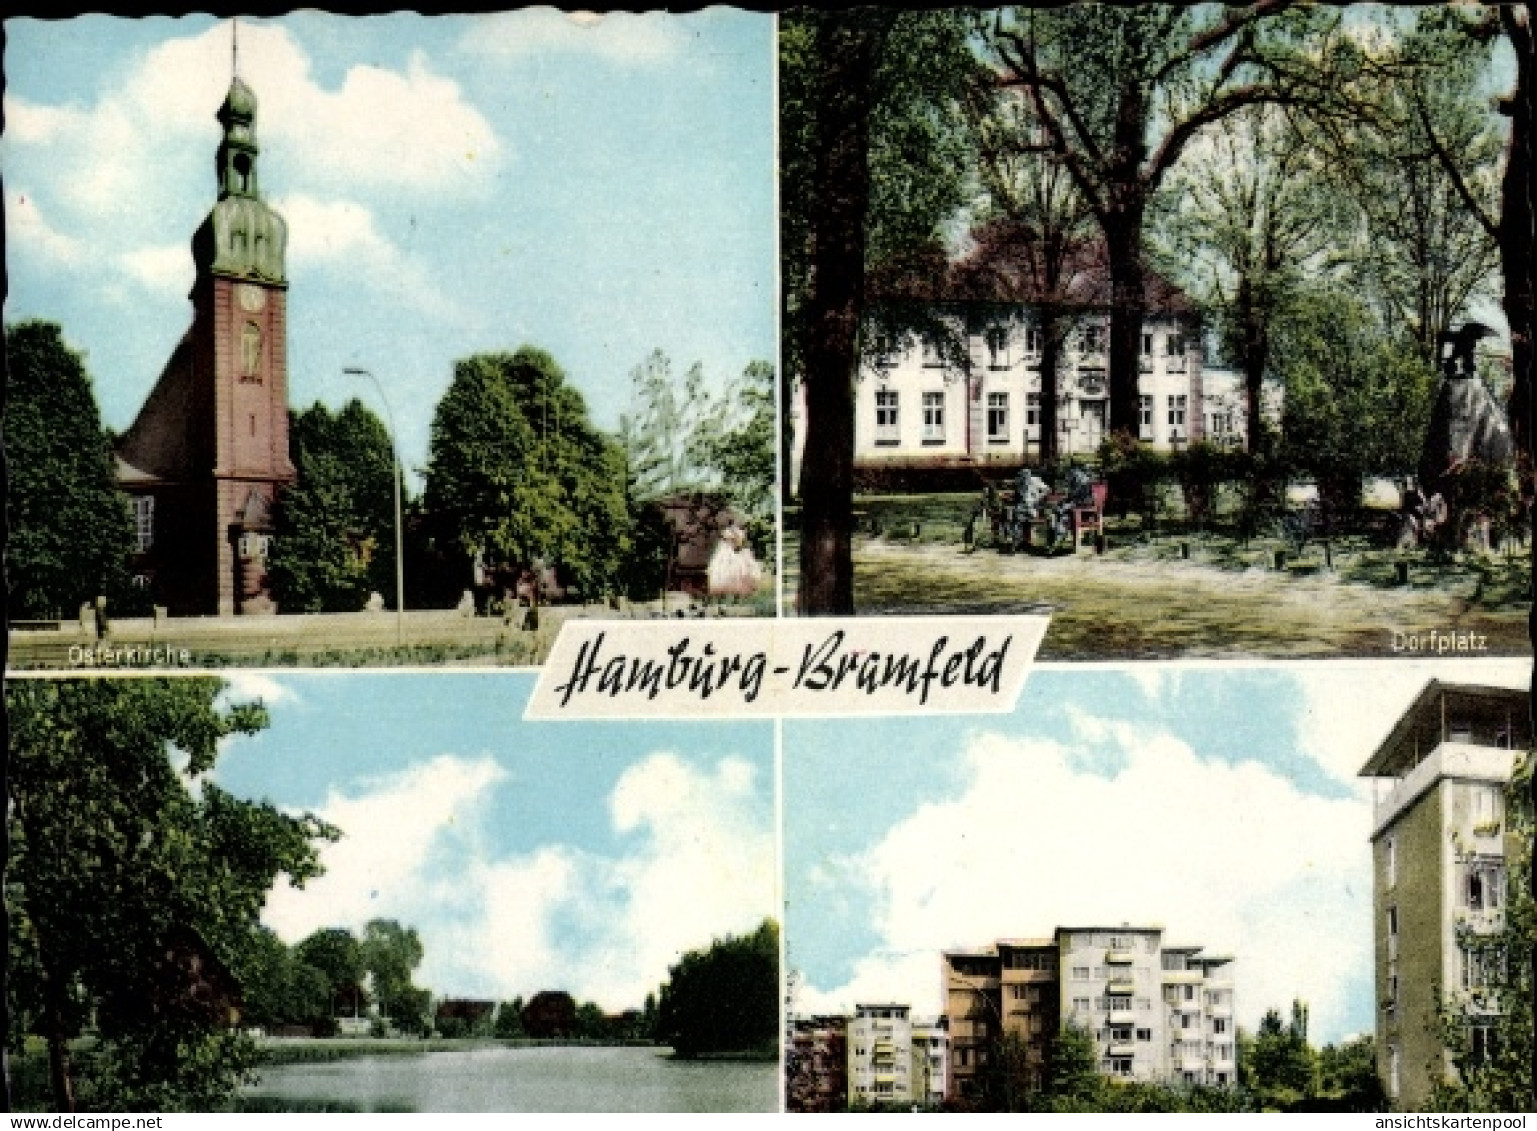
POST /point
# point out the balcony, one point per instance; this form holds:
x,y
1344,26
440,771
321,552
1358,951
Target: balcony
x,y
1123,1048
1447,760
1119,957
1121,986
1122,1017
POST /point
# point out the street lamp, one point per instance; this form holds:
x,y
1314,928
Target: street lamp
x,y
400,560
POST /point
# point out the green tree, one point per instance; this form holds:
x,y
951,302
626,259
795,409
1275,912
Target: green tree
x,y
1073,1081
1347,1073
735,442
516,473
71,531
724,998
1357,399
659,435
335,526
135,886
1247,219
336,953
1121,91
872,167
509,1020
1280,1066
390,954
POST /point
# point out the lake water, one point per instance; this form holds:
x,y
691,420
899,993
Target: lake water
x,y
525,1079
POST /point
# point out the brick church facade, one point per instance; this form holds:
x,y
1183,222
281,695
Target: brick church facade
x,y
208,452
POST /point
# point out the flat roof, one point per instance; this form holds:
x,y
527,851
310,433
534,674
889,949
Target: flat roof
x,y
1420,728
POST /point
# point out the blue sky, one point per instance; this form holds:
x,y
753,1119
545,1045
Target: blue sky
x,y
529,856
597,187
1219,801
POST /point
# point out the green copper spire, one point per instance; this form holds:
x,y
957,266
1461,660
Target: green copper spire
x,y
242,237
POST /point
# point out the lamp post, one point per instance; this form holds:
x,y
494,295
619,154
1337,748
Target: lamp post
x,y
400,560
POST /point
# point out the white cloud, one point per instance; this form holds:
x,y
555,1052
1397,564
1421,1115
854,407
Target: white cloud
x,y
700,864
343,235
27,229
249,686
124,174
162,267
622,37
1234,858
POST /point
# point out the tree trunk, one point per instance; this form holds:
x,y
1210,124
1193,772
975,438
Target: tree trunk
x,y
848,46
1516,225
1053,334
1256,355
58,1042
1123,244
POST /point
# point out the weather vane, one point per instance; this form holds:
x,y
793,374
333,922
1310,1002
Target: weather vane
x,y
234,47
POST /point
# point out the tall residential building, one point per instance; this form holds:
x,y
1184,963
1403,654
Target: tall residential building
x,y
1155,1012
930,1061
880,1043
1439,847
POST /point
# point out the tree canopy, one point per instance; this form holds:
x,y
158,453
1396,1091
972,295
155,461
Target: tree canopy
x,y
517,474
724,998
335,526
135,886
71,531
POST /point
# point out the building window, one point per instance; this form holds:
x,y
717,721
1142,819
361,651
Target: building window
x,y
1393,1071
886,416
1145,417
143,523
251,353
1080,1005
997,418
1486,810
1144,1034
1033,416
1080,973
1393,932
1174,345
1120,1033
884,352
1390,862
997,347
1485,885
933,418
1177,403
1118,1065
1481,1043
1174,962
933,356
1033,342
255,545
1093,339
1219,1025
1119,1002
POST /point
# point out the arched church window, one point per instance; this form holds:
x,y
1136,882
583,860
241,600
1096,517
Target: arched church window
x,y
242,172
251,352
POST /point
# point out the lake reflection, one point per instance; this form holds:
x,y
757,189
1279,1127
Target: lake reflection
x,y
524,1079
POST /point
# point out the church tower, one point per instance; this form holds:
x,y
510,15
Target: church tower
x,y
209,451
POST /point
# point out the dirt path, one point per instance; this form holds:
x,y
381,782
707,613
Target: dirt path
x,y
1106,609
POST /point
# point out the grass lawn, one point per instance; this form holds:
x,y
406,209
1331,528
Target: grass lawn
x,y
1167,591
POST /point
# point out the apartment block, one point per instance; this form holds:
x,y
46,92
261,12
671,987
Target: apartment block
x,y
816,1064
880,1044
1155,1012
1439,847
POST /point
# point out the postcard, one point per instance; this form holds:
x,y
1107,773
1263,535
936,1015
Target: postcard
x,y
952,560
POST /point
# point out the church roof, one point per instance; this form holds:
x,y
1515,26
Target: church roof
x,y
240,101
1002,263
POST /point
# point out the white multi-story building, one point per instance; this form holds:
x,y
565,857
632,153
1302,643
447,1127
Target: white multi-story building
x,y
1155,1012
880,1048
968,393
